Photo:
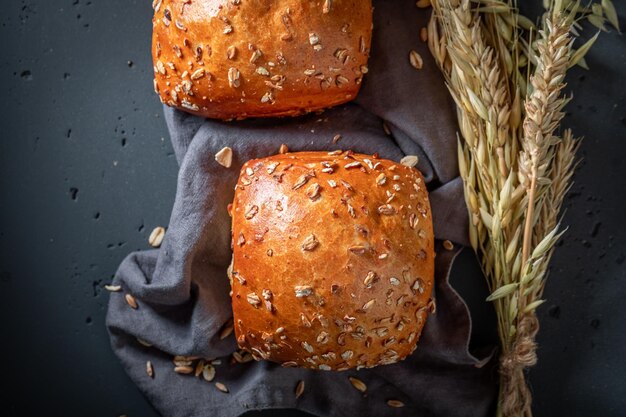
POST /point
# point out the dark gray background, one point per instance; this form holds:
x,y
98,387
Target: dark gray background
x,y
87,170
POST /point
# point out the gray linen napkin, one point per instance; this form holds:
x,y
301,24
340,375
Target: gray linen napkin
x,y
182,288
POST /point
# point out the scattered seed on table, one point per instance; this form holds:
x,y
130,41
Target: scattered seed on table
x,y
156,237
299,389
225,157
415,59
358,384
221,387
150,369
395,403
131,301
448,245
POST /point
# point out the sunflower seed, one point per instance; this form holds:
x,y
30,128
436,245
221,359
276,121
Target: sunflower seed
x,y
283,149
131,301
327,6
354,164
307,347
394,281
357,249
347,185
422,4
113,288
324,367
302,179
313,192
336,138
381,331
310,243
322,338
225,157
381,179
448,245
271,167
418,286
149,369
231,52
156,237
395,403
332,183
409,160
197,74
340,80
305,320
221,387
369,304
299,389
303,290
370,279
251,211
358,384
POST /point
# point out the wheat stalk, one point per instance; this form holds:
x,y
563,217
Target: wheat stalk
x,y
507,80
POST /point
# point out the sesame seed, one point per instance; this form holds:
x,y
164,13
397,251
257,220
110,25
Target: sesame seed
x,y
358,384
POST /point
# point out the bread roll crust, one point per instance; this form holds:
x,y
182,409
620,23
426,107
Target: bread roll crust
x,y
333,259
242,58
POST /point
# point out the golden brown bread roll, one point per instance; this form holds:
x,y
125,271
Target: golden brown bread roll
x,y
242,58
333,259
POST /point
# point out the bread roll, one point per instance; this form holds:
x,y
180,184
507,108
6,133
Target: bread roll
x,y
333,259
242,58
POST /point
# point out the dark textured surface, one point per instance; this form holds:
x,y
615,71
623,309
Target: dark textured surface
x,y
86,171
